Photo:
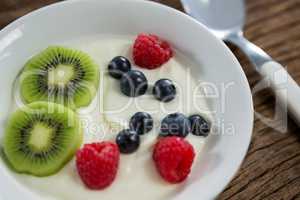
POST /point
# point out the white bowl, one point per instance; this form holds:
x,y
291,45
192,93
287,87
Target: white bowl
x,y
223,152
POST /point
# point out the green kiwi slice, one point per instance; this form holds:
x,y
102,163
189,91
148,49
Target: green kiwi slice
x,y
60,75
41,138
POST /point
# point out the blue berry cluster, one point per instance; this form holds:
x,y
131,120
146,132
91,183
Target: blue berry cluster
x,y
134,83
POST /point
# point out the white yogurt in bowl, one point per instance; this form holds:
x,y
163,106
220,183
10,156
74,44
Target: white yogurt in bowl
x,y
110,112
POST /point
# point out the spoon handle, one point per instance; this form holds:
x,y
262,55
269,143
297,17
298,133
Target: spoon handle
x,y
286,89
284,86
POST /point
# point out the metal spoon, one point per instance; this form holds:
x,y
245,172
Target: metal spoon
x,y
225,18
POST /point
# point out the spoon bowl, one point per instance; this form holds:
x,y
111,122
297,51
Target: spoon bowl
x,y
223,18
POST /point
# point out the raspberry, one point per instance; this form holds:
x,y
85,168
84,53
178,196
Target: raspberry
x,y
150,52
97,164
173,157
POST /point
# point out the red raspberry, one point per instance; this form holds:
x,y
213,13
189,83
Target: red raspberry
x,y
173,157
150,52
97,164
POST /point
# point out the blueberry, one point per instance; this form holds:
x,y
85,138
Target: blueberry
x,y
141,122
175,124
199,126
118,66
134,83
164,90
128,141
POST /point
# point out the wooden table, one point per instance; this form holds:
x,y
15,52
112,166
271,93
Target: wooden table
x,y
271,170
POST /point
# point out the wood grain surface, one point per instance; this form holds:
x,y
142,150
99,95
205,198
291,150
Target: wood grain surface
x,y
271,170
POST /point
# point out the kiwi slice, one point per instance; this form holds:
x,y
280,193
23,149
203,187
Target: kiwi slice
x,y
60,75
41,138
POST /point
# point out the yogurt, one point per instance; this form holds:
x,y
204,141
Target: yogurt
x,y
109,113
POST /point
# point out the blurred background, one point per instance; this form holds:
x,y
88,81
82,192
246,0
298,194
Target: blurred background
x,y
271,170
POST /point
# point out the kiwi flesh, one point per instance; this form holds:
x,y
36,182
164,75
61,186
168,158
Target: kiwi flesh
x,y
41,137
61,75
